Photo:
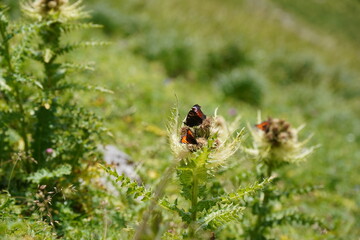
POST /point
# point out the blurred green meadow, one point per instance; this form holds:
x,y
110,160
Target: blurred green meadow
x,y
296,60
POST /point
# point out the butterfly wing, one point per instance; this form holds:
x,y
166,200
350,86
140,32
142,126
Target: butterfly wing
x,y
188,137
195,116
264,126
198,111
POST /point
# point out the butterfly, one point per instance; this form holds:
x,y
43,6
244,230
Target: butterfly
x,y
195,116
263,126
188,137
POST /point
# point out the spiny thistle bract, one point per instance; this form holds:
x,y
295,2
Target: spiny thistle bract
x,y
276,142
60,10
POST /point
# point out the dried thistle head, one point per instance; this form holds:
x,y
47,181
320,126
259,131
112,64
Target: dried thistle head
x,y
60,10
213,133
276,142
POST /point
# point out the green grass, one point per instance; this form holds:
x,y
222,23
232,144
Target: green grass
x,y
339,18
325,31
139,85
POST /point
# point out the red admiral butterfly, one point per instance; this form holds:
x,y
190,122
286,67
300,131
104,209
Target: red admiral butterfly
x,y
188,137
195,116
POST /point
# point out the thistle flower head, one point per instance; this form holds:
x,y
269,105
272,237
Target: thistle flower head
x,y
213,133
60,10
276,142
49,151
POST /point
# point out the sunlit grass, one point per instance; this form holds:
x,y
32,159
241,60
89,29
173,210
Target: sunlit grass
x,y
137,110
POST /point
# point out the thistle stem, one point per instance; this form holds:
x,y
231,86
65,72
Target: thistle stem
x,y
18,97
259,228
194,201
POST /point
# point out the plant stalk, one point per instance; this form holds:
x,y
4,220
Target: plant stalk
x,y
259,229
194,201
159,191
18,97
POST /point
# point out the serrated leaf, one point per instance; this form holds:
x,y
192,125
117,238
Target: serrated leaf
x,y
70,47
241,193
185,216
75,26
299,191
293,217
133,188
25,79
37,177
220,217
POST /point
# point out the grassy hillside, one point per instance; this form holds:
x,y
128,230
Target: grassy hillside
x,y
297,59
308,68
337,18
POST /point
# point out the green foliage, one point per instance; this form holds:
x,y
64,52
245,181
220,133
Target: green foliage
x,y
117,22
296,69
346,13
320,89
293,218
171,236
15,226
197,171
133,187
269,207
42,174
243,193
343,82
225,214
243,85
173,52
230,56
57,138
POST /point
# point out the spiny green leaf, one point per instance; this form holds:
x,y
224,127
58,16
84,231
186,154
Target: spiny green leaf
x,y
70,47
132,186
41,174
26,79
233,197
293,217
243,192
80,67
222,216
185,216
299,191
76,26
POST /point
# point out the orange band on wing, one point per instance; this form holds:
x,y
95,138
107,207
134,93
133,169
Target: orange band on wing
x,y
263,126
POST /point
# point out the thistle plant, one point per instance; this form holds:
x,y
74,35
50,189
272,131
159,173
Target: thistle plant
x,y
60,10
276,144
202,147
38,116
